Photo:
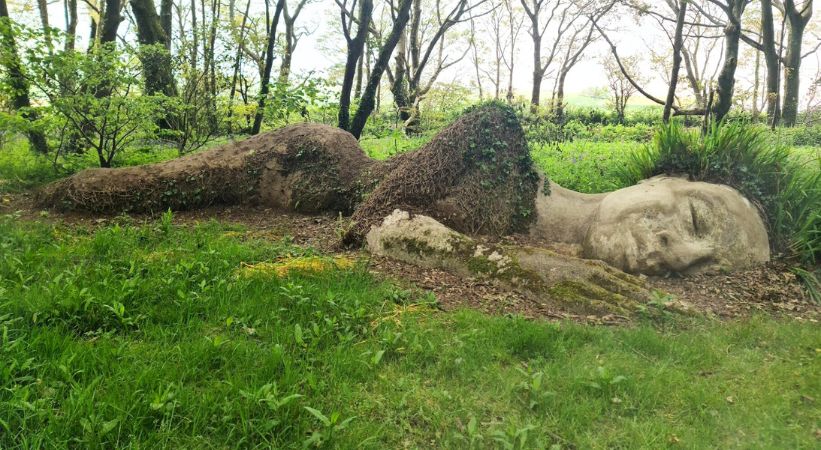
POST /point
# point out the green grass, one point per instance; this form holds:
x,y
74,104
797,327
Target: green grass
x,y
143,336
384,147
584,166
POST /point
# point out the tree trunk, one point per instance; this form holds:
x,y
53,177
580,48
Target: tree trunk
x,y
269,64
678,41
399,88
285,66
157,64
366,104
538,73
355,48
770,60
725,83
17,79
476,58
359,71
110,21
194,34
42,6
71,25
237,65
210,54
559,99
692,79
797,22
756,85
166,16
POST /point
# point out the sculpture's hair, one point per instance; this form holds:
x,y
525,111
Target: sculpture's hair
x,y
475,176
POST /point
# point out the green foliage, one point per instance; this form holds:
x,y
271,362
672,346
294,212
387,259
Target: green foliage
x,y
809,135
788,190
95,98
583,165
394,144
295,102
21,168
182,352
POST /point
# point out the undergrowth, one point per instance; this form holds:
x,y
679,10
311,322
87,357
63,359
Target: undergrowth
x,y
152,336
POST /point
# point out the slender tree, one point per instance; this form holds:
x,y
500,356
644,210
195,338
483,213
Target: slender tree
x,y
42,6
420,57
560,17
366,103
269,63
514,28
771,61
71,25
678,42
798,16
291,35
237,63
575,46
725,84
17,81
356,45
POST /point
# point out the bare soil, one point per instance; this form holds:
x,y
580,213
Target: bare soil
x,y
771,288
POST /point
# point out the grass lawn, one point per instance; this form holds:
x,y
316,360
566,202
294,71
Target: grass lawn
x,y
160,335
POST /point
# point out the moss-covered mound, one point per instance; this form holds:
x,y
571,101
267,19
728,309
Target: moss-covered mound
x,y
304,167
475,176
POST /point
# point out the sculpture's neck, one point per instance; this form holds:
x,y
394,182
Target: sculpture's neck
x,y
564,215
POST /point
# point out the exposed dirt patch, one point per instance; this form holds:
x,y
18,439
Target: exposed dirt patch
x,y
770,288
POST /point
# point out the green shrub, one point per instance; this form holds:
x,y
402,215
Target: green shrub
x,y
800,136
787,190
616,133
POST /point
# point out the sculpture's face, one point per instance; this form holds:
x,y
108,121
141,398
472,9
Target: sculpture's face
x,y
673,225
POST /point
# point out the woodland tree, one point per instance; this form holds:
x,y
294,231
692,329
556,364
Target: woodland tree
x,y
292,35
356,46
269,62
798,16
17,81
154,54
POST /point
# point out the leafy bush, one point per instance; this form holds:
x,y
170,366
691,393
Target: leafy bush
x,y
617,133
787,191
800,136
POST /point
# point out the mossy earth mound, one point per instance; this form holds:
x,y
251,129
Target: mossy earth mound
x,y
476,176
304,167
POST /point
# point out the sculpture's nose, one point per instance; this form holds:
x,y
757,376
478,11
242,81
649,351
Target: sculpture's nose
x,y
682,254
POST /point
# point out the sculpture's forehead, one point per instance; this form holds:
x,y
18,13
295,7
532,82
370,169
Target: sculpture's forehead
x,y
667,196
655,195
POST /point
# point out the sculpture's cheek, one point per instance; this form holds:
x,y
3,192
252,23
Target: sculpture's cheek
x,y
650,242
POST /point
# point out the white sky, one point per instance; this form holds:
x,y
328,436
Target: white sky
x,y
632,39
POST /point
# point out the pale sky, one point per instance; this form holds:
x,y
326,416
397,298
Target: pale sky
x,y
631,39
